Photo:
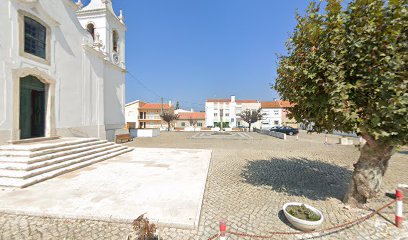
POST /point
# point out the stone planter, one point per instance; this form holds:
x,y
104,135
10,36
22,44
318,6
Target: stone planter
x,y
303,225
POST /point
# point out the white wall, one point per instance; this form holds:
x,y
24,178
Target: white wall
x,y
270,115
132,113
215,107
89,90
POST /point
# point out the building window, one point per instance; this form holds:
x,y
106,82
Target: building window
x,y
183,124
91,29
115,40
215,114
34,37
142,115
227,114
200,124
276,122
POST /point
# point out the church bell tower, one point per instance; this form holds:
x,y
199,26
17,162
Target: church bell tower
x,y
106,28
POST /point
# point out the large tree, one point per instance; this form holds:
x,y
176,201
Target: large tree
x,y
251,116
347,70
169,117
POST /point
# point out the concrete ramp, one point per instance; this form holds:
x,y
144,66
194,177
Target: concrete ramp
x,y
167,184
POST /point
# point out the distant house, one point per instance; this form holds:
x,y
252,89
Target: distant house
x,y
227,111
286,121
274,114
192,121
140,114
271,114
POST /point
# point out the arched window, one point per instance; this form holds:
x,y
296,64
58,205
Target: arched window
x,y
91,29
115,40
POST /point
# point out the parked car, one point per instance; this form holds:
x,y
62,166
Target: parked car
x,y
287,130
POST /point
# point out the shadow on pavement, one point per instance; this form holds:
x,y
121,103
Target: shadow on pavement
x,y
315,180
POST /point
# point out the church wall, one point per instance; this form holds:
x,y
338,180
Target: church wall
x,y
78,72
8,27
114,92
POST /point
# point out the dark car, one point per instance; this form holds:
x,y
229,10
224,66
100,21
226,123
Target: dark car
x,y
287,130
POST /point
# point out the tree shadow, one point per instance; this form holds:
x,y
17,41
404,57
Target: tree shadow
x,y
315,180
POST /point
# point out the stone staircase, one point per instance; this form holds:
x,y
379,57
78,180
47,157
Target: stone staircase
x,y
22,165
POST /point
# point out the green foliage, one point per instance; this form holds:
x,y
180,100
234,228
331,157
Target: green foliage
x,y
302,212
169,116
251,116
347,69
224,124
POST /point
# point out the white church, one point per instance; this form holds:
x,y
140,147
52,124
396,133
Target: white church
x,y
62,87
62,69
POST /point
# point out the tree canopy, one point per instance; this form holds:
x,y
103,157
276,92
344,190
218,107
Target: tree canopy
x,y
169,117
347,69
251,116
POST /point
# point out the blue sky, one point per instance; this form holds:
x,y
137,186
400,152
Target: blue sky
x,y
188,51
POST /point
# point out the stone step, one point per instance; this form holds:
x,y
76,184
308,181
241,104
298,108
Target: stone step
x,y
40,149
68,150
21,183
57,158
74,160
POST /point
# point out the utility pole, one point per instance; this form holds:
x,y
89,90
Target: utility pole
x,y
162,107
161,113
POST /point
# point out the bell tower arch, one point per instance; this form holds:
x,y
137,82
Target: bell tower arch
x,y
106,28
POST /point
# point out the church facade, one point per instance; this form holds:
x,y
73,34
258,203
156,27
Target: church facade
x,y
62,69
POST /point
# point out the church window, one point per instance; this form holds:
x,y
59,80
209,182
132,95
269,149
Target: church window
x,y
91,29
115,40
35,35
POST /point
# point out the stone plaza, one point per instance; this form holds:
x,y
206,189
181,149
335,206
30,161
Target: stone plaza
x,y
249,180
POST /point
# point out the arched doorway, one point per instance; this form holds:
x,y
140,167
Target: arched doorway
x,y
32,107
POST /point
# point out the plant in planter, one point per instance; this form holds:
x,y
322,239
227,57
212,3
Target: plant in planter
x,y
302,212
303,216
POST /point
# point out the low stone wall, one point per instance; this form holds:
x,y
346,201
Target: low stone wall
x,y
153,132
345,141
271,133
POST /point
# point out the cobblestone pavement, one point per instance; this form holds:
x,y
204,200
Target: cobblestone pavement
x,y
248,183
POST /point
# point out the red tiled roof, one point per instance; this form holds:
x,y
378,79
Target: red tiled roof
x,y
277,104
246,101
274,104
219,100
286,104
192,115
229,100
154,106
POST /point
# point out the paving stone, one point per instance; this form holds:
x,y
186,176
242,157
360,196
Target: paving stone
x,y
249,180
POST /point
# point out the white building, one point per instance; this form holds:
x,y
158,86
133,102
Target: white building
x,y
62,69
274,114
271,114
140,114
227,111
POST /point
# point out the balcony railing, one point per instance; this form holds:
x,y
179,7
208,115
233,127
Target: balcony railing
x,y
150,118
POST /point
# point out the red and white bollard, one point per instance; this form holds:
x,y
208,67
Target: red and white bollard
x,y
223,230
399,218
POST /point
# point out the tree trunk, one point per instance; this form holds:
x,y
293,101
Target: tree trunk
x,y
249,128
168,126
368,172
